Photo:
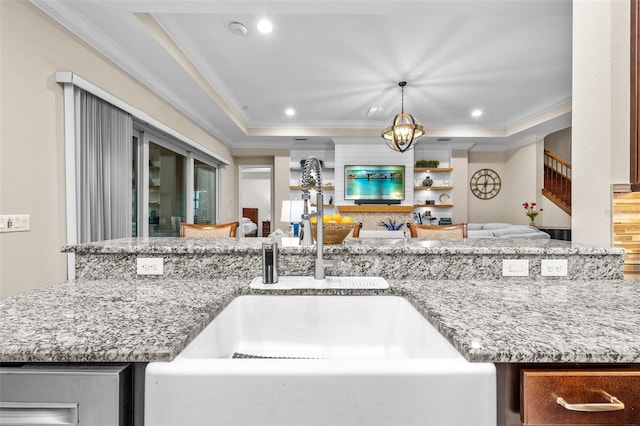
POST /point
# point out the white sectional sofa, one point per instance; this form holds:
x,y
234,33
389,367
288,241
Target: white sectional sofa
x,y
503,230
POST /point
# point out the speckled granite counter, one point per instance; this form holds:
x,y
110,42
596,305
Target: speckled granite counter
x,y
202,258
496,321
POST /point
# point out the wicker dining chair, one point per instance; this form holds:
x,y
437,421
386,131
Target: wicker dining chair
x,y
356,229
208,230
438,232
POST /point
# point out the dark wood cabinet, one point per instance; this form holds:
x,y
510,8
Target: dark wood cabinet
x,y
576,397
528,393
266,228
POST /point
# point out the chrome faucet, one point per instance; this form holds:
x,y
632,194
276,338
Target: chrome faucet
x,y
313,164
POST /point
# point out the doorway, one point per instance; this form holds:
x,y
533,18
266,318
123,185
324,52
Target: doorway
x,y
255,200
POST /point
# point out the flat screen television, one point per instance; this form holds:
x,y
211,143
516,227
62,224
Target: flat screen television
x,y
375,184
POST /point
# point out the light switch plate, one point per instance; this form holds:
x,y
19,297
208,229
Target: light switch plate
x,y
515,267
15,222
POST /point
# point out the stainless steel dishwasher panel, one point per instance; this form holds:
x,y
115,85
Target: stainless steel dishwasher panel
x,y
64,394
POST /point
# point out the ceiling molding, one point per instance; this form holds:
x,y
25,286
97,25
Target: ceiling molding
x,y
105,46
178,71
543,117
161,36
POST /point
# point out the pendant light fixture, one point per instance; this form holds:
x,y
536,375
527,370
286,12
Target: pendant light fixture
x,y
404,131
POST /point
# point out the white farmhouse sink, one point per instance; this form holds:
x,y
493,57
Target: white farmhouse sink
x,y
320,360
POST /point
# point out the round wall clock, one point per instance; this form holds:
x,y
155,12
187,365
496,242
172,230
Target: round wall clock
x,y
485,184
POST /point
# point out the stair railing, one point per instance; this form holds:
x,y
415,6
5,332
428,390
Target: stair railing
x,y
557,179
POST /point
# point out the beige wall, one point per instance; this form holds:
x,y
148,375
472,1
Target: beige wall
x,y
559,143
521,177
492,210
460,182
32,169
281,181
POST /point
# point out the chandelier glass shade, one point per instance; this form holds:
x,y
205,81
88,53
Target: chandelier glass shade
x,y
404,130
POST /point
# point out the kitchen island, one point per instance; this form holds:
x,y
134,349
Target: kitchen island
x,y
202,258
588,319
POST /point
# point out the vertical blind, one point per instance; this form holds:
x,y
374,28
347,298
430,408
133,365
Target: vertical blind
x,y
103,169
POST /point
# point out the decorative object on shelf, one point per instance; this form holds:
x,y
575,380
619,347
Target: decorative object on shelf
x,y
531,212
430,202
444,198
485,184
417,218
427,181
391,224
400,136
428,164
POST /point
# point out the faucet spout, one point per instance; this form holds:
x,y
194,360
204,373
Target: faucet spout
x,y
312,164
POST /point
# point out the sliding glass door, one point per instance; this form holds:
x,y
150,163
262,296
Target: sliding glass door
x,y
204,192
167,191
170,185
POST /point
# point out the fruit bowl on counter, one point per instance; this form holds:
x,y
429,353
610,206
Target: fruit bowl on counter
x,y
336,228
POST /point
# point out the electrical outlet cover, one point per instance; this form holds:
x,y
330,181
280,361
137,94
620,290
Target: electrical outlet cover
x,y
150,265
553,268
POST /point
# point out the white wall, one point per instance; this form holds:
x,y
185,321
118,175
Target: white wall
x,y
32,144
600,127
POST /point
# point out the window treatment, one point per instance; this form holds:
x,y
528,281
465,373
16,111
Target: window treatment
x,y
103,169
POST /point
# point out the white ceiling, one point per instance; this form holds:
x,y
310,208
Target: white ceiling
x,y
333,60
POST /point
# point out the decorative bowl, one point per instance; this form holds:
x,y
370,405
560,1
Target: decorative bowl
x,y
333,233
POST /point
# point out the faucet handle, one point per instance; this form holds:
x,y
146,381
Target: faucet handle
x,y
305,233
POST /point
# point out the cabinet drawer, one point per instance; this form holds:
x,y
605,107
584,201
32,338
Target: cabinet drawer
x,y
591,397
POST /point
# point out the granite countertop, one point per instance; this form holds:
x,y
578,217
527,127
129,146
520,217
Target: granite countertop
x,y
479,246
494,321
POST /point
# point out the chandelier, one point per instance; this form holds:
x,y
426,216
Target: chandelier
x,y
404,130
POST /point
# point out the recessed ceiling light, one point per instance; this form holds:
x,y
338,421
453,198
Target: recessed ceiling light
x,y
290,112
476,113
264,26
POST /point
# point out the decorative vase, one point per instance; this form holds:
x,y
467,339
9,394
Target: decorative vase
x,y
427,181
532,222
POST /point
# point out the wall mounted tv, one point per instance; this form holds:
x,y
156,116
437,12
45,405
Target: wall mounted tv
x,y
374,184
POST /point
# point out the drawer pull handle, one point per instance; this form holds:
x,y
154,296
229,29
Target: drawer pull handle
x,y
39,413
614,404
